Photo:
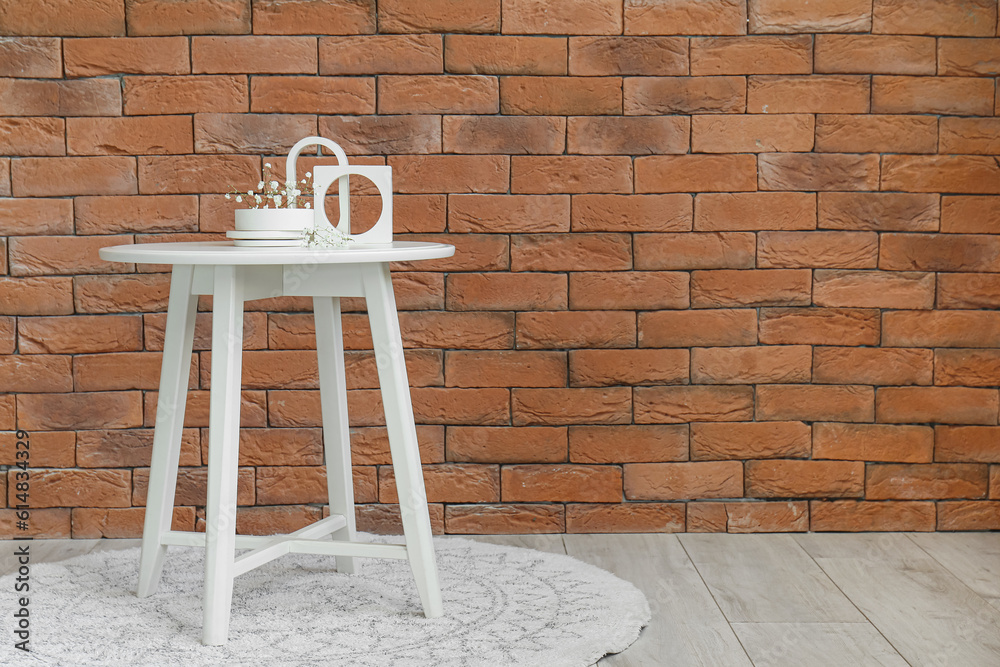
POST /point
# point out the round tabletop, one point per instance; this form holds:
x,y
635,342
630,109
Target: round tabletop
x,y
224,252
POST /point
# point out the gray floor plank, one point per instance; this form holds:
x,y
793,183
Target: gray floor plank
x,y
50,551
974,558
548,543
687,627
767,579
817,645
921,608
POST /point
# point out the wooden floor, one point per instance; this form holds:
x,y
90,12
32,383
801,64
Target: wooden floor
x,y
805,600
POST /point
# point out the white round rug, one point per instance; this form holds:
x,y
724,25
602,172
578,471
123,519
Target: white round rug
x,y
503,606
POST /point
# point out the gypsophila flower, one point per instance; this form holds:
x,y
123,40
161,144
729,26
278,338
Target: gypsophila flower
x,y
271,191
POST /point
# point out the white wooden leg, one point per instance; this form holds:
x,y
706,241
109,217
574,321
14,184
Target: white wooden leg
x,y
181,311
336,431
402,434
223,450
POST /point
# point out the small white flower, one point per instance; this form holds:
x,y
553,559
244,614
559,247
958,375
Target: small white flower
x,y
308,205
260,185
250,193
274,185
308,174
229,196
277,201
257,198
239,198
267,164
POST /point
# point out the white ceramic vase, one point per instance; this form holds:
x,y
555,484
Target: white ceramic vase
x,y
274,219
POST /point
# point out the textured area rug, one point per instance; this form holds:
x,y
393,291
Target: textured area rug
x,y
503,606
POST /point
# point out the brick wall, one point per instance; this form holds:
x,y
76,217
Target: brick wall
x,y
721,265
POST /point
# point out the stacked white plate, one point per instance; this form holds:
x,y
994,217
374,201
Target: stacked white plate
x,y
270,227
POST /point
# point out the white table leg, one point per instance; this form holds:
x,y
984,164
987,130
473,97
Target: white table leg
x,y
176,365
402,434
223,451
336,430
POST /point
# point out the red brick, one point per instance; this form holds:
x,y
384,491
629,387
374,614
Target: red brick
x,y
191,486
503,291
750,440
129,448
570,174
505,519
92,523
370,446
385,519
450,173
112,215
67,176
790,16
494,54
560,96
628,443
654,96
562,17
254,331
31,57
685,17
595,368
32,136
968,516
438,94
629,135
253,409
36,216
808,94
972,444
751,55
935,17
858,515
44,524
153,135
604,56
439,16
968,57
953,252
758,133
449,482
570,252
79,335
130,55
679,481
302,95
750,288
250,133
873,442
508,213
751,365
76,488
892,366
817,249
473,252
35,373
873,289
964,290
7,412
305,484
994,481
192,173
8,335
631,213
505,368
847,403
504,134
381,54
767,517
881,211
571,406
122,370
754,211
254,55
468,331
161,17
652,290
340,17
62,17
707,517
926,481
818,171
185,94
688,328
561,482
805,479
695,173
37,296
434,405
676,405
65,412
82,97
941,329
936,95
614,329
46,255
819,326
947,405
969,135
626,518
968,368
537,444
273,520
876,134
714,250
875,54
5,177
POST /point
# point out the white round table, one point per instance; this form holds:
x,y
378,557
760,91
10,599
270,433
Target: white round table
x,y
232,276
